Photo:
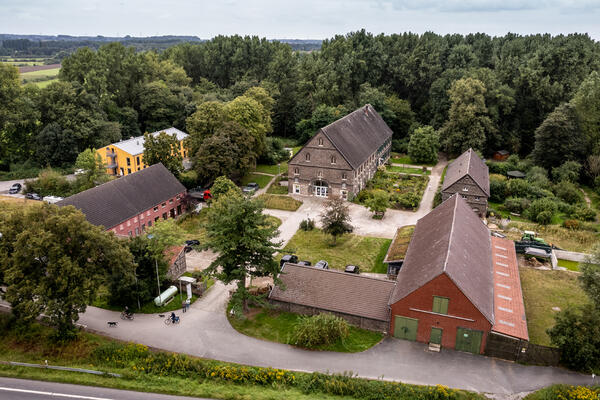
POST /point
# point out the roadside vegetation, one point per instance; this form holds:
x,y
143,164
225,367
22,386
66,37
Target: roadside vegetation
x,y
149,371
567,392
314,245
282,327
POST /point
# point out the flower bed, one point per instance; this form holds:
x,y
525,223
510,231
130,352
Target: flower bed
x,y
406,190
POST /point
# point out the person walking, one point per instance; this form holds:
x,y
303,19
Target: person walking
x,y
183,306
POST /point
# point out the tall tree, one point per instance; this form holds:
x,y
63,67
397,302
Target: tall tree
x,y
53,261
163,148
559,138
94,170
468,124
424,145
239,232
335,217
587,106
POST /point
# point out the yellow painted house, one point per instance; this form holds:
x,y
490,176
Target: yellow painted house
x,y
126,157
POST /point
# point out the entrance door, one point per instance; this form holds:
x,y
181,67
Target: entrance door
x,y
468,340
321,191
405,328
436,336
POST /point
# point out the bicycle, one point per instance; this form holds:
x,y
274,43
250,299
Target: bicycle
x,y
170,321
126,315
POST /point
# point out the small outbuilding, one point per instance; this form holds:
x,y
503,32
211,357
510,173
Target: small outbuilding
x,y
500,155
469,177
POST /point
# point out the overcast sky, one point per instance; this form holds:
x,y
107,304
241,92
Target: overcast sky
x,y
289,19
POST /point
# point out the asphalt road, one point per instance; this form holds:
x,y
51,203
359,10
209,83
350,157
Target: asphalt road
x,y
21,389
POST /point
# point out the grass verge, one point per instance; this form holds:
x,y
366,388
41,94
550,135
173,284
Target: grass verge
x,y
570,265
366,252
543,290
161,372
278,326
272,169
407,170
147,308
565,392
277,202
262,180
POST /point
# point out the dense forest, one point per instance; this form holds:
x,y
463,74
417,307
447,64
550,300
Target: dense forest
x,y
535,95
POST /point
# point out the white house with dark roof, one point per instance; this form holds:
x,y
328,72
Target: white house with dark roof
x,y
342,156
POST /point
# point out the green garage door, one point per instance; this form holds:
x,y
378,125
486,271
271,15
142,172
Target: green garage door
x,y
405,328
468,340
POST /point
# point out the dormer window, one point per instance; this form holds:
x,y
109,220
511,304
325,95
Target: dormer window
x,y
307,156
320,141
333,160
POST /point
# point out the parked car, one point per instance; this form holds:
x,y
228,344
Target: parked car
x,y
322,264
15,188
52,199
288,258
33,196
192,242
250,188
79,171
352,269
304,263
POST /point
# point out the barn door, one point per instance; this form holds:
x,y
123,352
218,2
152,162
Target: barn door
x,y
436,336
468,340
405,328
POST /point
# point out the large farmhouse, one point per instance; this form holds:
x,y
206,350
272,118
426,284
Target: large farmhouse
x,y
457,285
133,202
468,176
342,156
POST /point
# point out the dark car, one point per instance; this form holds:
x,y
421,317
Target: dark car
x,y
250,188
192,242
304,263
33,196
15,188
288,258
322,264
352,269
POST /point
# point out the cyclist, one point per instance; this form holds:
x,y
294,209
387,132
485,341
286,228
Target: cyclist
x,y
173,317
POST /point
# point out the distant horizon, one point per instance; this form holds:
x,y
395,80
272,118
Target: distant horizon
x,y
303,19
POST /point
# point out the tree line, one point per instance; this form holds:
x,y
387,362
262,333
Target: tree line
x,y
531,94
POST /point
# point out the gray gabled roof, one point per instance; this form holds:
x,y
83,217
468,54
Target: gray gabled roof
x,y
135,145
357,135
334,291
468,163
116,201
450,240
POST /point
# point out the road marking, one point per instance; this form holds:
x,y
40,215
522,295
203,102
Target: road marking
x,y
71,396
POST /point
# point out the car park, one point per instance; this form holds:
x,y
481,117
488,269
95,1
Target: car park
x,y
33,196
15,188
322,264
288,258
352,269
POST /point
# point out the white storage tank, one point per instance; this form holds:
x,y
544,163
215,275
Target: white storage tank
x,y
165,296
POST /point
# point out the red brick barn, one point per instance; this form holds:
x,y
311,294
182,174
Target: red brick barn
x,y
444,292
130,204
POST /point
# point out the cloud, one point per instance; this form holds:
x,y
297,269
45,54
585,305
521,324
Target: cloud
x,y
492,5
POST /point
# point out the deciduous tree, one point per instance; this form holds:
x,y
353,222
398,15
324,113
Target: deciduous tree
x,y
163,148
424,145
335,217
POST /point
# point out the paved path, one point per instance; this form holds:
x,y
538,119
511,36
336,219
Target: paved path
x,y
23,389
204,331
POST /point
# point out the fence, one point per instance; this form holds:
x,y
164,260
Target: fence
x,y
518,350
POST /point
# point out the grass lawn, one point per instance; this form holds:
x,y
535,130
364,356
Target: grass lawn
x,y
366,252
568,264
147,308
278,326
272,169
407,170
405,159
278,202
543,290
276,188
193,225
262,180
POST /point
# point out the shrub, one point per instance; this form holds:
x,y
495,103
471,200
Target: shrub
x,y
568,171
516,204
408,200
189,179
584,213
497,188
563,207
517,188
538,176
307,224
571,224
400,145
49,182
437,199
544,218
569,192
500,168
320,329
541,205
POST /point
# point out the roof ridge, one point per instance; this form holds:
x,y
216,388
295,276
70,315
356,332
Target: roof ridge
x,y
335,271
451,232
345,116
469,161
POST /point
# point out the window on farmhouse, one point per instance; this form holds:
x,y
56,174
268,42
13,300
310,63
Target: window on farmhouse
x,y
307,156
163,205
344,175
137,160
333,159
128,170
320,142
296,171
440,305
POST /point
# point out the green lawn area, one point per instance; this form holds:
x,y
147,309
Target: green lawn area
x,y
405,159
276,188
279,202
568,264
407,170
278,326
193,225
43,84
366,252
262,180
147,308
543,290
272,169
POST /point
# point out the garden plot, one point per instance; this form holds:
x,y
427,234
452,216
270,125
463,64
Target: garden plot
x,y
406,191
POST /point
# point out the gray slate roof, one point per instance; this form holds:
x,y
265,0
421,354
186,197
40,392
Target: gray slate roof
x,y
358,134
468,163
334,291
123,198
451,239
135,145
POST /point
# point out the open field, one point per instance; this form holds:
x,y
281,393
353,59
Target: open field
x,y
543,290
278,326
39,75
43,84
262,180
366,252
